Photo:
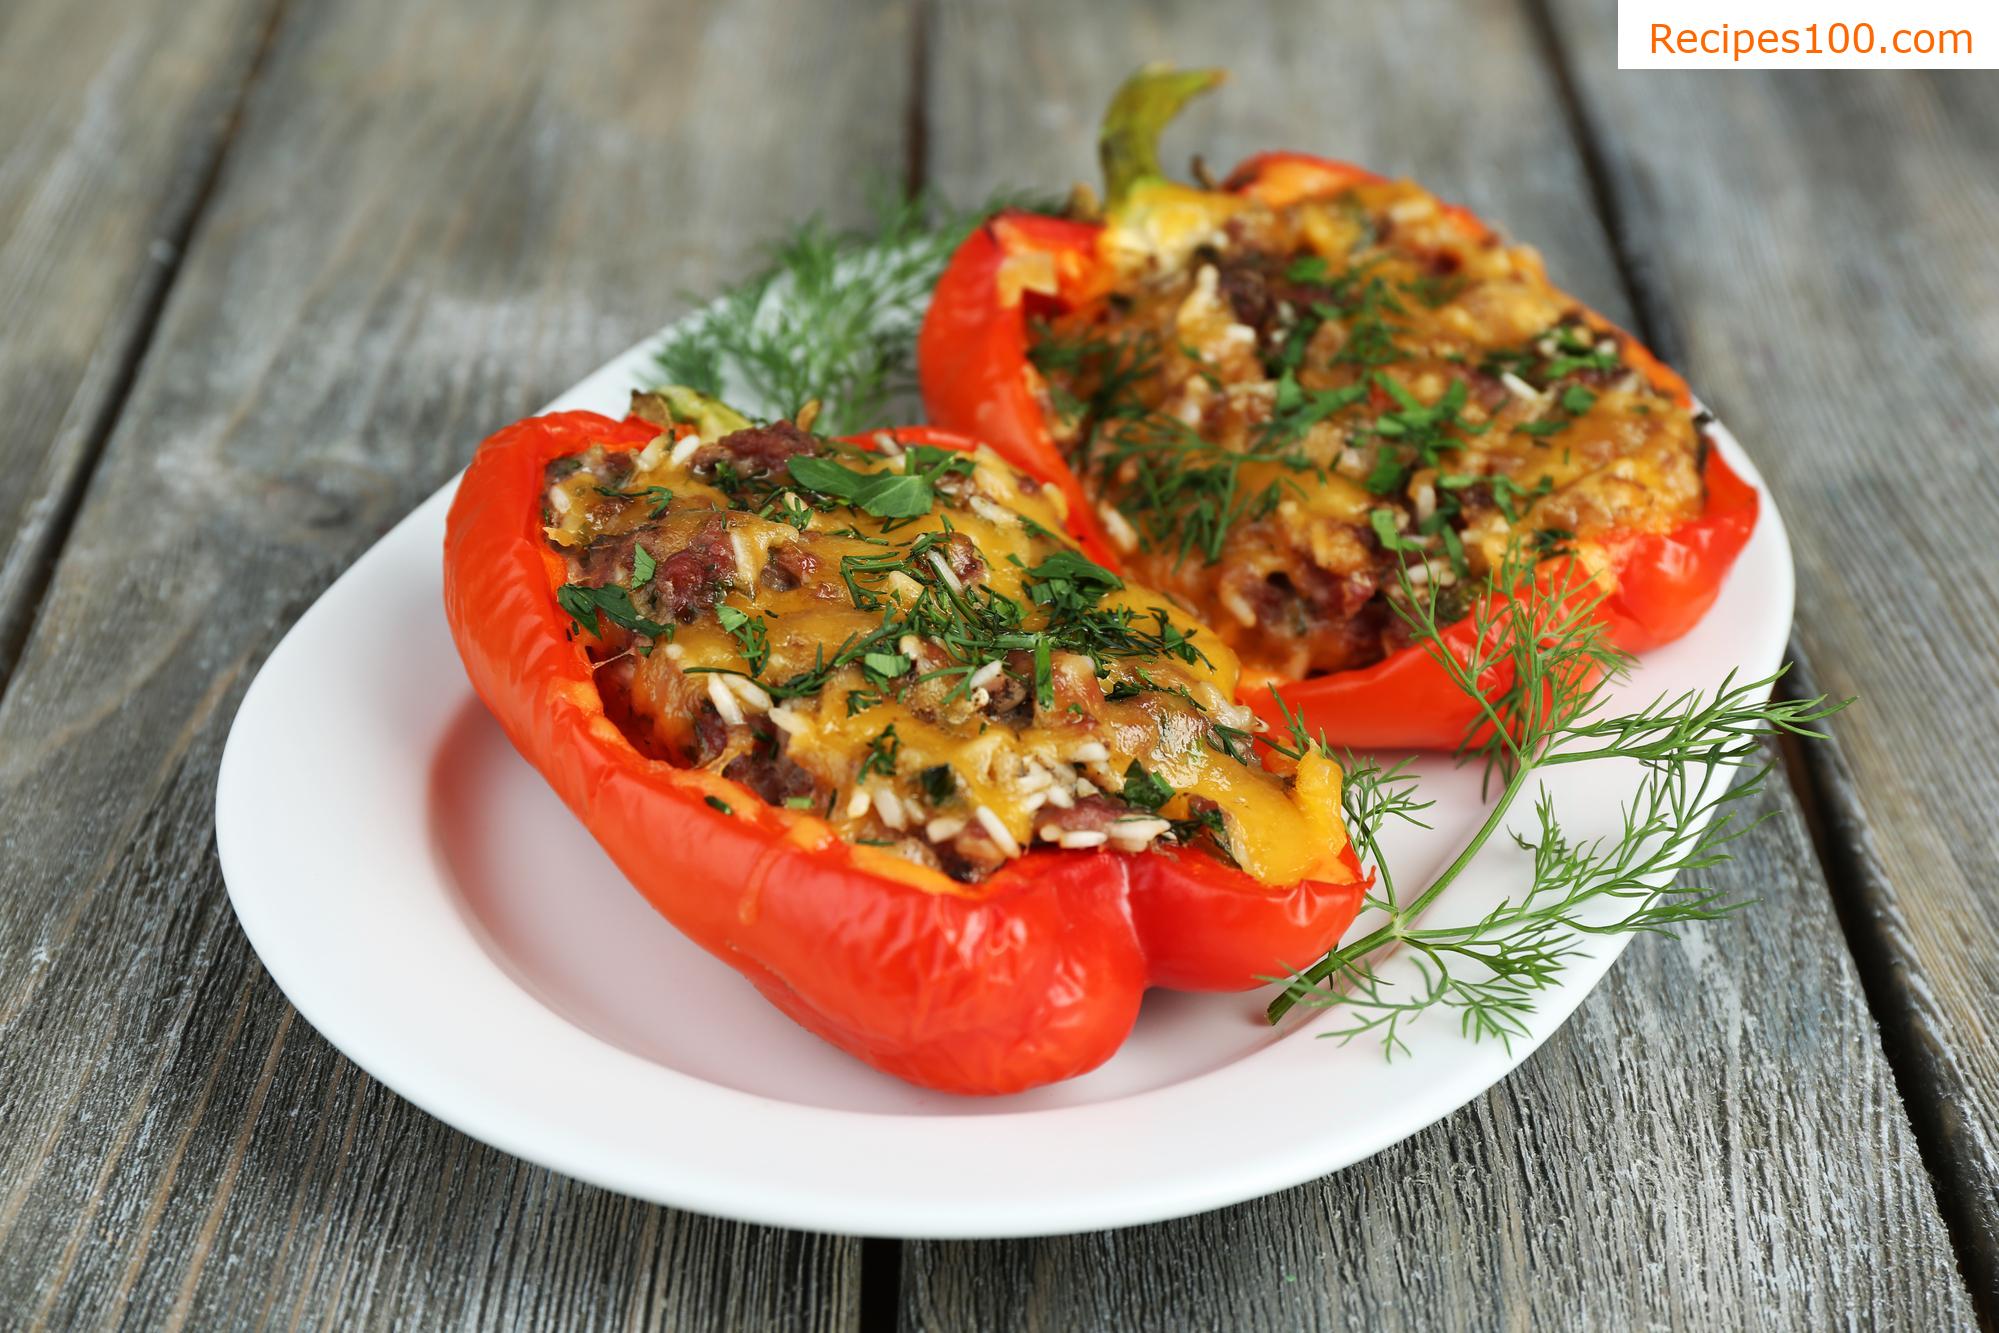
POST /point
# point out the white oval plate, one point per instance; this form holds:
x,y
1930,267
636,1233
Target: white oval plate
x,y
432,908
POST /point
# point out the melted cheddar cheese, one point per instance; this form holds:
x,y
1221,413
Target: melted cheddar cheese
x,y
1275,407
900,642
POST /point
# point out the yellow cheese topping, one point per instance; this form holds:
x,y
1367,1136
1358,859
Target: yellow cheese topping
x,y
1276,406
901,642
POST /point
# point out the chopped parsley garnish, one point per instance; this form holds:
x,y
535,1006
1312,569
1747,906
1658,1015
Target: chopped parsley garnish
x,y
886,665
1147,791
1578,351
883,494
1070,581
1415,434
939,783
751,634
910,492
584,604
1383,521
1575,401
882,753
719,804
1207,820
1309,268
1569,365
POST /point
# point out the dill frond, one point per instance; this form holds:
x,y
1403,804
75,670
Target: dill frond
x,y
1544,639
832,316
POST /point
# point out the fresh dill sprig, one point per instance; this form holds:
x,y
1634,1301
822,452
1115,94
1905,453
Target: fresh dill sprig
x,y
1537,629
832,316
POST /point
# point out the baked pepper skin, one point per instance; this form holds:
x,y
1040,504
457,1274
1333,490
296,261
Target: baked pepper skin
x,y
1032,976
975,376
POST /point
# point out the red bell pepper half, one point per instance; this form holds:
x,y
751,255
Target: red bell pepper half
x,y
975,376
1031,976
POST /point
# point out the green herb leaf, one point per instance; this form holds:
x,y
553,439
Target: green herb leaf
x,y
1288,396
882,753
1383,521
883,494
939,783
1308,268
886,665
584,604
1145,790
751,634
1070,582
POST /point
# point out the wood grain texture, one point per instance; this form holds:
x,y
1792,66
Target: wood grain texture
x,y
114,116
1716,1139
433,218
1835,235
1711,1142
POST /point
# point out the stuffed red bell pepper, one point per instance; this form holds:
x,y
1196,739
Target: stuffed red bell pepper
x,y
859,720
1270,397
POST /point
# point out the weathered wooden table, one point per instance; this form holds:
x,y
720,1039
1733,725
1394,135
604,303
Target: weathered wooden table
x,y
269,268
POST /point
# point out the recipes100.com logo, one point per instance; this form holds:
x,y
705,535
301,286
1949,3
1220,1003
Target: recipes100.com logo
x,y
1835,34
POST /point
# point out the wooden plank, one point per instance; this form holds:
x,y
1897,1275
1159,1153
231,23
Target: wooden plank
x,y
1834,232
434,218
115,116
1712,1142
1716,1139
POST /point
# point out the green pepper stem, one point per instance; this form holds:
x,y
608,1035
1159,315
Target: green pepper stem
x,y
1140,111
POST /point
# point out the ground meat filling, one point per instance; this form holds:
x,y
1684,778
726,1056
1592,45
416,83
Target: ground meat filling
x,y
688,578
759,451
1273,419
766,771
955,687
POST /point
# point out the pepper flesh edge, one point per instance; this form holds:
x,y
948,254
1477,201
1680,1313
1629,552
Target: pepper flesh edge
x,y
1033,976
